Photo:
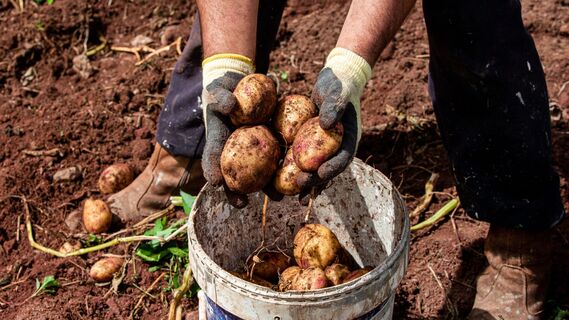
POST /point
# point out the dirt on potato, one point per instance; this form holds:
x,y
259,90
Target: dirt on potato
x,y
55,114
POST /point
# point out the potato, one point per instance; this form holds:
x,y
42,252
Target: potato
x,y
356,274
285,178
314,145
115,178
310,279
288,277
291,113
97,216
256,96
315,246
336,273
104,269
272,263
249,159
67,247
255,280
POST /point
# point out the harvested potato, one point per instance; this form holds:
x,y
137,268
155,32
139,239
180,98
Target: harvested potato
x,y
115,178
288,277
270,265
97,216
291,113
249,159
356,274
255,280
314,145
336,273
311,278
285,178
67,247
256,96
315,246
104,269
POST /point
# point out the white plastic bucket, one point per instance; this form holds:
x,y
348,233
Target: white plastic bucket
x,y
361,206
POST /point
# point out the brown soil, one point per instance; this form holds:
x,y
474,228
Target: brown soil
x,y
111,117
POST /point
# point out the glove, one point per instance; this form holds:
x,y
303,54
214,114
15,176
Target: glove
x,y
337,93
221,73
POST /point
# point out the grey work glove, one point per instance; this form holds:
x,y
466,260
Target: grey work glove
x,y
221,73
337,93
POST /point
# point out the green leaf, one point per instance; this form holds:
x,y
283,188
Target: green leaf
x,y
284,76
187,201
49,285
149,253
179,252
154,268
93,240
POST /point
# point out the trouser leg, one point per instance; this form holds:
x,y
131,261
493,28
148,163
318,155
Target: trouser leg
x,y
490,98
180,124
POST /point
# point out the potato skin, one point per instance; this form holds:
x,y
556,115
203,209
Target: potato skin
x,y
256,96
97,216
356,274
115,178
314,145
336,273
291,113
272,264
310,279
288,277
104,269
315,246
285,178
249,159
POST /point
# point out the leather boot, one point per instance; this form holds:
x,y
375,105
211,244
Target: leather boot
x,y
514,285
165,175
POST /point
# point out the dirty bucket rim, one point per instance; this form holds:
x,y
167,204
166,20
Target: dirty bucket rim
x,y
376,275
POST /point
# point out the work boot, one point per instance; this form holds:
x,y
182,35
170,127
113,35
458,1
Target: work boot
x,y
164,176
514,285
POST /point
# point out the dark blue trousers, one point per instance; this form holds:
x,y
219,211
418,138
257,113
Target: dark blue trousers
x,y
489,95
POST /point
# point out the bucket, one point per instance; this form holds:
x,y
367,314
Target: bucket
x,y
361,206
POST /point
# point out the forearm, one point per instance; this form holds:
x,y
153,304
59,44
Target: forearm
x,y
228,26
370,25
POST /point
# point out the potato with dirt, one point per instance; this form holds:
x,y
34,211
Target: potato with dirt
x,y
313,145
115,178
356,274
291,113
311,278
268,265
256,96
97,216
104,269
288,277
315,246
249,159
336,273
285,178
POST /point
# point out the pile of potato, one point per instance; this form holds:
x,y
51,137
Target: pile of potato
x,y
320,262
251,157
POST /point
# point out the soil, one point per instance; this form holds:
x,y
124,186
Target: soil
x,y
104,111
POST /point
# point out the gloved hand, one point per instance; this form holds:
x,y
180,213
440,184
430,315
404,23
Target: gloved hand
x,y
221,73
337,93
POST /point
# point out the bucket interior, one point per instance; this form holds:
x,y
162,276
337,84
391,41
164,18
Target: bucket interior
x,y
360,206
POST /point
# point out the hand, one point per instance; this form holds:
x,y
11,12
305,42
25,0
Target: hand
x,y
337,93
221,73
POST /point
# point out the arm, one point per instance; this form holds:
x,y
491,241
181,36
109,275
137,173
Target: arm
x,y
229,31
370,25
229,26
